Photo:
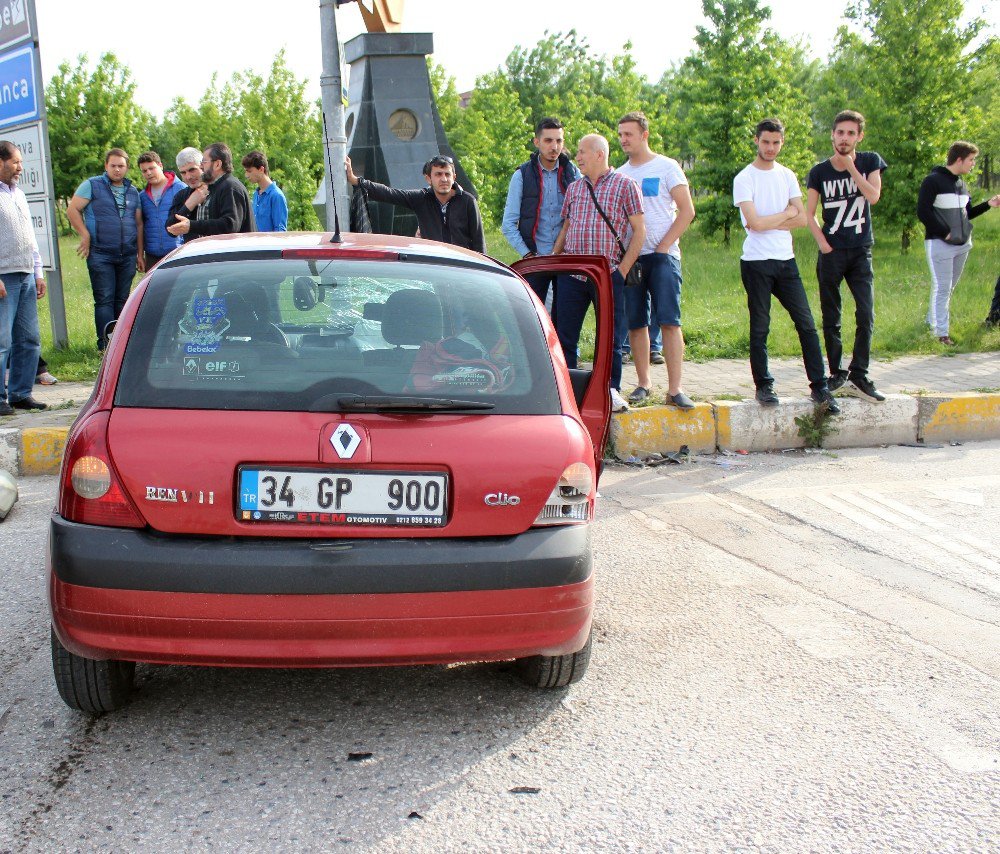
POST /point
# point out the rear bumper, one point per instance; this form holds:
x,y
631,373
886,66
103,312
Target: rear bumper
x,y
140,596
323,630
127,559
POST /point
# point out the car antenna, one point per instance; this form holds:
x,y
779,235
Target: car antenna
x,y
333,191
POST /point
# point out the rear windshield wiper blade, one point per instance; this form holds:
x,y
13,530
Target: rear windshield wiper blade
x,y
387,402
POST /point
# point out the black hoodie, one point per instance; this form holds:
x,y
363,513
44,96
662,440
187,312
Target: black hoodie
x,y
945,207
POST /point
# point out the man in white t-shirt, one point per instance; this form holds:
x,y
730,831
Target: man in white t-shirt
x,y
669,210
770,204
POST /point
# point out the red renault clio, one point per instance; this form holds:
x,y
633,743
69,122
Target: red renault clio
x,y
302,453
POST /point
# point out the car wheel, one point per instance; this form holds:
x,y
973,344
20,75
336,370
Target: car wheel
x,y
555,671
88,685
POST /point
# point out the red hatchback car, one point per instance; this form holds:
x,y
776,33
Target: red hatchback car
x,y
301,453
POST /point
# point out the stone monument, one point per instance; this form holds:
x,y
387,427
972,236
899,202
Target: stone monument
x,y
391,122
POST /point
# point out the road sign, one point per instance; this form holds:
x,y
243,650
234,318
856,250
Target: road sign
x,y
33,181
15,22
18,89
44,228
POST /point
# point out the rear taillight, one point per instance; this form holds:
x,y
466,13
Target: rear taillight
x,y
571,502
91,492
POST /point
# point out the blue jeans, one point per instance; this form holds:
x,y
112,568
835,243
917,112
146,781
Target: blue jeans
x,y
574,298
20,341
111,277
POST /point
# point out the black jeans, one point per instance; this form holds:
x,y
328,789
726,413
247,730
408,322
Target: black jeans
x,y
995,308
855,267
781,278
540,285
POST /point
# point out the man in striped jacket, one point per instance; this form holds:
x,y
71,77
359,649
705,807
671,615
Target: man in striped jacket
x,y
945,208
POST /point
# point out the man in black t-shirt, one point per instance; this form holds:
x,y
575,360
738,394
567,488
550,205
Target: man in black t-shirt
x,y
848,184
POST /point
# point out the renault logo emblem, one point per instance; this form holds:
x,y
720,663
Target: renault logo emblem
x,y
345,441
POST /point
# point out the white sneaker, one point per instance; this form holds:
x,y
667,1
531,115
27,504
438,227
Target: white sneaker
x,y
618,403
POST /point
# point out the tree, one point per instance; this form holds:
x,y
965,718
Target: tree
x,y
916,63
276,118
739,73
88,113
490,141
445,97
985,95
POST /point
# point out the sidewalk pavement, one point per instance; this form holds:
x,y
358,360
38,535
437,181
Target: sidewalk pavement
x,y
930,399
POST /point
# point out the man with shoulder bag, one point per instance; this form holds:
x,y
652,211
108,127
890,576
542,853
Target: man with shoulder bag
x,y
600,212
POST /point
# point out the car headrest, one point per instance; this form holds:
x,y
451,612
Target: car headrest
x,y
411,317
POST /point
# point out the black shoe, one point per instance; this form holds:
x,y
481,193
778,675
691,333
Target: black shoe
x,y
5,408
865,389
993,320
28,403
656,358
836,380
822,397
766,396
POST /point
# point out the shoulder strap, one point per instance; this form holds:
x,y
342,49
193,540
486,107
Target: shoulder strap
x,y
604,216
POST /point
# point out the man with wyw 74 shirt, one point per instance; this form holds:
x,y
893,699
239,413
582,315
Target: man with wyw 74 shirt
x,y
847,183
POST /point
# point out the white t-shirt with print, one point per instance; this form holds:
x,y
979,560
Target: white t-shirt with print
x,y
656,179
770,190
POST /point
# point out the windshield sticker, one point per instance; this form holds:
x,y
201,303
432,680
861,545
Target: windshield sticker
x,y
204,329
213,369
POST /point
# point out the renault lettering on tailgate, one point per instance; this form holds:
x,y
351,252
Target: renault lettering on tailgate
x,y
342,497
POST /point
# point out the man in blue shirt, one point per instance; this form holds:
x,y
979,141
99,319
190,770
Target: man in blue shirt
x,y
270,209
532,216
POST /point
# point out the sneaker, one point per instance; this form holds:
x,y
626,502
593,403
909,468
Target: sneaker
x,y
865,389
766,396
836,380
656,358
638,395
28,403
5,408
618,403
823,397
45,378
946,340
680,400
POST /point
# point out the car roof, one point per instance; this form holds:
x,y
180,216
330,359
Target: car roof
x,y
281,240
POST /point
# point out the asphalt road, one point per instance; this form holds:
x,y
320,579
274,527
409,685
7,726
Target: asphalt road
x,y
794,653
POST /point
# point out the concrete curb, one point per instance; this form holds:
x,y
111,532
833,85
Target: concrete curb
x,y
747,426
726,425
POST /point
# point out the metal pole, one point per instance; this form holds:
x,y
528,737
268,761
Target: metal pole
x,y
54,282
331,88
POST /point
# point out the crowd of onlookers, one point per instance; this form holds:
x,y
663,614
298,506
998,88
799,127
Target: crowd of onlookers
x,y
634,216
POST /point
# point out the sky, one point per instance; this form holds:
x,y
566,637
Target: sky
x,y
174,49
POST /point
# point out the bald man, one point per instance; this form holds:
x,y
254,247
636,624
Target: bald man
x,y
584,232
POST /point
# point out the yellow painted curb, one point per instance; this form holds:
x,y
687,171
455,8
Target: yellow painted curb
x,y
42,449
659,429
959,416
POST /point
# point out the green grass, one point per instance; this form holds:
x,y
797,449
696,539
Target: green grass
x,y
716,323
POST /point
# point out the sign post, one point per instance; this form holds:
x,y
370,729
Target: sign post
x,y
23,122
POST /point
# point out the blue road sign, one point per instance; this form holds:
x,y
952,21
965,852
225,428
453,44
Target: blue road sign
x,y
18,89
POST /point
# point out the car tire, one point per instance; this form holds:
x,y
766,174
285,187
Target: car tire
x,y
89,685
555,671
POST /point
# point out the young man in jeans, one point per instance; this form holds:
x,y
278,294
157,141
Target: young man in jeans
x,y
668,210
848,183
770,204
106,213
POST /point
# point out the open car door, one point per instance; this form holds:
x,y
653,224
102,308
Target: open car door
x,y
590,386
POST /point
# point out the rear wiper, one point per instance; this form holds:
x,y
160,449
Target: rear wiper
x,y
386,402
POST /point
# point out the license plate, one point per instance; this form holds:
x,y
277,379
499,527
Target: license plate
x,y
342,497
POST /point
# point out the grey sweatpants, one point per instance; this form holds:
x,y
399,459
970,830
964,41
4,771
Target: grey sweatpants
x,y
946,263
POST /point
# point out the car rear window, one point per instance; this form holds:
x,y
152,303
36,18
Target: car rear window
x,y
294,334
